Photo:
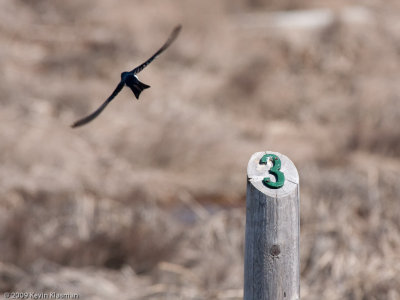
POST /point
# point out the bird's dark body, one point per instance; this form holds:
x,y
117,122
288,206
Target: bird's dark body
x,y
131,80
133,83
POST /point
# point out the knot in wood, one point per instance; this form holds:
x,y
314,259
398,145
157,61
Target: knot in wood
x,y
275,250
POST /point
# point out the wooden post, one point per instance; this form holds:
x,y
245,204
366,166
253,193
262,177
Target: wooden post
x,y
271,267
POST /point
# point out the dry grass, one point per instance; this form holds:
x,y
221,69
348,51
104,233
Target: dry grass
x,y
147,202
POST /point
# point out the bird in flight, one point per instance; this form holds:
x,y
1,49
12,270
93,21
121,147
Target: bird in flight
x,y
131,80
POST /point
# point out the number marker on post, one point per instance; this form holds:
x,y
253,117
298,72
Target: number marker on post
x,y
271,263
274,170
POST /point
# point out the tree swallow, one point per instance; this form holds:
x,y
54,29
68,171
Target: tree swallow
x,y
131,80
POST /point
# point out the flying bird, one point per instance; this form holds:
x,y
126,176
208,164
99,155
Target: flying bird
x,y
131,80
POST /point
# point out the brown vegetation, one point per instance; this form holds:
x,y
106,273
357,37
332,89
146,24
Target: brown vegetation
x,y
147,201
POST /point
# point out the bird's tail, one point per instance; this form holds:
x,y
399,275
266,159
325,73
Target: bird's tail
x,y
137,87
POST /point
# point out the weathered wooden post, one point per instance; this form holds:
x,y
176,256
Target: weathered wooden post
x,y
271,268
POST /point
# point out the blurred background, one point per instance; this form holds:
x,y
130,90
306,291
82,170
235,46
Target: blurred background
x,y
148,200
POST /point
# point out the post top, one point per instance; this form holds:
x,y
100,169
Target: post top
x,y
257,172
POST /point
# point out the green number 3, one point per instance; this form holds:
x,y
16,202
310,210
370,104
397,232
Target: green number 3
x,y
274,170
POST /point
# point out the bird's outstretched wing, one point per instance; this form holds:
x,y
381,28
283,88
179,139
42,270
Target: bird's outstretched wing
x,y
93,115
171,38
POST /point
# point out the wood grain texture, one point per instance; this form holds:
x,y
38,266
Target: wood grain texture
x,y
272,233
